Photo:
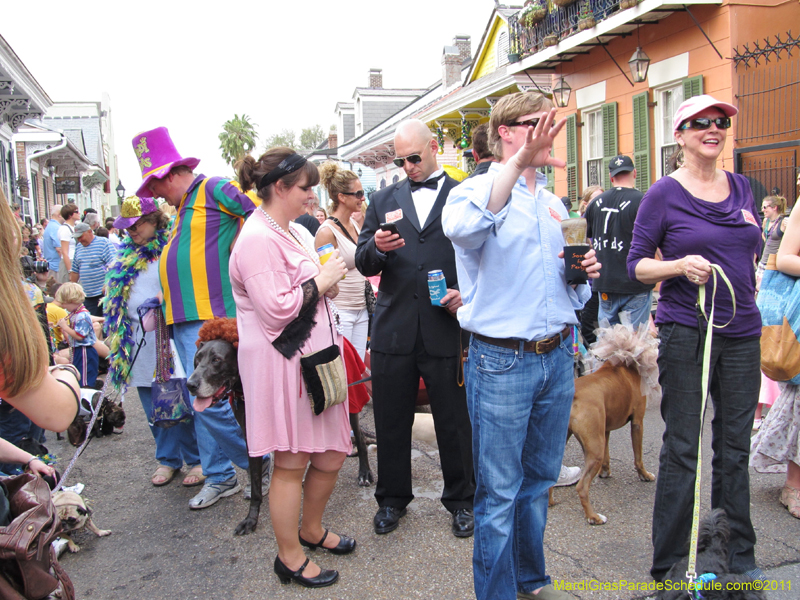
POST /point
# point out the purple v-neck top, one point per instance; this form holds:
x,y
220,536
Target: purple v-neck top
x,y
726,233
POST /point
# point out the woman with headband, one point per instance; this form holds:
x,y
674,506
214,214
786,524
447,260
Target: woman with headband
x,y
283,311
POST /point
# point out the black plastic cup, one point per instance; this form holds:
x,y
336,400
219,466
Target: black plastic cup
x,y
573,270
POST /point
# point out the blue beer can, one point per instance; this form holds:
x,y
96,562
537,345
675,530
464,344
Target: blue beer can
x,y
436,287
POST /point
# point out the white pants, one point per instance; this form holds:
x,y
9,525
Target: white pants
x,y
355,324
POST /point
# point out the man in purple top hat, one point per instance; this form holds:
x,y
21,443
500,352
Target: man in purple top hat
x,y
196,285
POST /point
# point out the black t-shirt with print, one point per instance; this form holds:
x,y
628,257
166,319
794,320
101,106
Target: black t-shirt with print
x,y
609,222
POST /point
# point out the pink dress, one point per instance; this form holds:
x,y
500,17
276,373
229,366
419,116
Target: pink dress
x,y
267,270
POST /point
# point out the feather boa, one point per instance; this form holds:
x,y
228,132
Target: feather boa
x,y
130,261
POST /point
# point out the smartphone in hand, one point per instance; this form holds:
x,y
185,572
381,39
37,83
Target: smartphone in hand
x,y
391,228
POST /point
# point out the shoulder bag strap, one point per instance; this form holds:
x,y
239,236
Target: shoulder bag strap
x,y
342,227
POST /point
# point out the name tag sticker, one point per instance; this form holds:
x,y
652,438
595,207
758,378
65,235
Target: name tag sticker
x,y
394,216
554,214
749,218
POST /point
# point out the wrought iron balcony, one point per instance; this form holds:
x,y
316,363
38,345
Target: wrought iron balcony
x,y
559,23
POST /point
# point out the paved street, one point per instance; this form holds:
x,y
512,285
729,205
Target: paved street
x,y
160,549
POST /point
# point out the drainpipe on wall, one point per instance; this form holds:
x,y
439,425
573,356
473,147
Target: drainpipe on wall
x,y
37,154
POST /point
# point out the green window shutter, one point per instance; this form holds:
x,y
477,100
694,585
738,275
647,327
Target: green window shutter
x,y
572,158
641,140
609,139
692,86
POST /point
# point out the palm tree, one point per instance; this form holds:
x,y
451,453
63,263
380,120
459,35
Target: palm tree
x,y
238,138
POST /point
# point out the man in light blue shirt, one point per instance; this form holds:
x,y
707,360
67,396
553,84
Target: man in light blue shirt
x,y
506,230
52,243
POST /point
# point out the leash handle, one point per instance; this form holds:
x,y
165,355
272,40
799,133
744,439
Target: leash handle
x,y
691,573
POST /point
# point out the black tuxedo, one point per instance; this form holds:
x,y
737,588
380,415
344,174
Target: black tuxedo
x,y
411,339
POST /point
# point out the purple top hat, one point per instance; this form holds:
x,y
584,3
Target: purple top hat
x,y
134,209
157,155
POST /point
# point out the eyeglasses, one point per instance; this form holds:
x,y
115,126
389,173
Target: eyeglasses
x,y
703,123
359,194
414,159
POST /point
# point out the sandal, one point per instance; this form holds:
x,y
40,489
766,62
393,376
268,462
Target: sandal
x,y
790,498
194,476
162,476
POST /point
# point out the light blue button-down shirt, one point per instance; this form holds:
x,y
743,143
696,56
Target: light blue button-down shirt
x,y
511,279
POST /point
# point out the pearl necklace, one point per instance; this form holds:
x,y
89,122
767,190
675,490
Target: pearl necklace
x,y
313,255
274,224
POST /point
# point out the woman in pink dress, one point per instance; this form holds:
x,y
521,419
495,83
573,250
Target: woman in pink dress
x,y
283,311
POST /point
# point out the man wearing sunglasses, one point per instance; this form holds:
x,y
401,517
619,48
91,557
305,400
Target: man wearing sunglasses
x,y
411,338
506,228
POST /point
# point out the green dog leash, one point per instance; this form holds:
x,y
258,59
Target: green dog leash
x,y
691,574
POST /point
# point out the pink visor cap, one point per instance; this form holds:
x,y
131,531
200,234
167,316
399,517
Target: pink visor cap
x,y
698,104
157,155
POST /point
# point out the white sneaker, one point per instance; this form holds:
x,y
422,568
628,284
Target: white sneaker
x,y
212,492
568,476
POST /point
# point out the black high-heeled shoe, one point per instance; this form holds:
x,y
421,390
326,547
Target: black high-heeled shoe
x,y
345,546
325,578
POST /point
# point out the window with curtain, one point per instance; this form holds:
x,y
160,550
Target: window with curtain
x,y
593,147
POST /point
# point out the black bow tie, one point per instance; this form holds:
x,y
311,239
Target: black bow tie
x,y
431,184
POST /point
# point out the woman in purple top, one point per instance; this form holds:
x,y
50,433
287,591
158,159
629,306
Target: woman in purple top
x,y
698,216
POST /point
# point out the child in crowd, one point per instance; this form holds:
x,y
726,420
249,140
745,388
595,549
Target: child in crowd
x,y
78,326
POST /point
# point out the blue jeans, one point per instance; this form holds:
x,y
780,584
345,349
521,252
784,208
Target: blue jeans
x,y
519,403
174,445
734,385
219,437
638,305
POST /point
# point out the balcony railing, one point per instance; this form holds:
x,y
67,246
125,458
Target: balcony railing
x,y
559,23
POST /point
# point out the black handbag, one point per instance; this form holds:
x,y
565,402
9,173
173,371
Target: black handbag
x,y
324,375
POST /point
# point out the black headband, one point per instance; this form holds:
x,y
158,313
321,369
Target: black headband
x,y
289,165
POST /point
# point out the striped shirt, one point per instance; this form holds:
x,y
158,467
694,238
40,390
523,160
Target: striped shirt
x,y
91,262
194,264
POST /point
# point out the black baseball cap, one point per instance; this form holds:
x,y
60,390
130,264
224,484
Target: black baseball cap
x,y
620,164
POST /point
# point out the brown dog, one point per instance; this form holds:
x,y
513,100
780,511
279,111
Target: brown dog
x,y
608,399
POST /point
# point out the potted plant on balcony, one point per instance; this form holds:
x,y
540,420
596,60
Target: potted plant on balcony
x,y
533,12
623,4
514,54
585,16
563,3
551,39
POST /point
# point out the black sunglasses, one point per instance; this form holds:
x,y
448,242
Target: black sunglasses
x,y
359,194
414,159
703,123
528,123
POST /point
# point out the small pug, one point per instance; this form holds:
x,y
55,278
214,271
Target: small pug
x,y
74,515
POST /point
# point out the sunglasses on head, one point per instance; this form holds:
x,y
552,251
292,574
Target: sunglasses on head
x,y
703,123
359,194
414,159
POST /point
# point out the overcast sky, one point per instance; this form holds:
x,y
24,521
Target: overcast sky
x,y
190,66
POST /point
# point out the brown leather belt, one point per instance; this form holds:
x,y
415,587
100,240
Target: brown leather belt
x,y
540,347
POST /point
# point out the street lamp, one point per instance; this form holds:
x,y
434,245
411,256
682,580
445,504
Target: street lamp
x,y
561,93
120,192
639,62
